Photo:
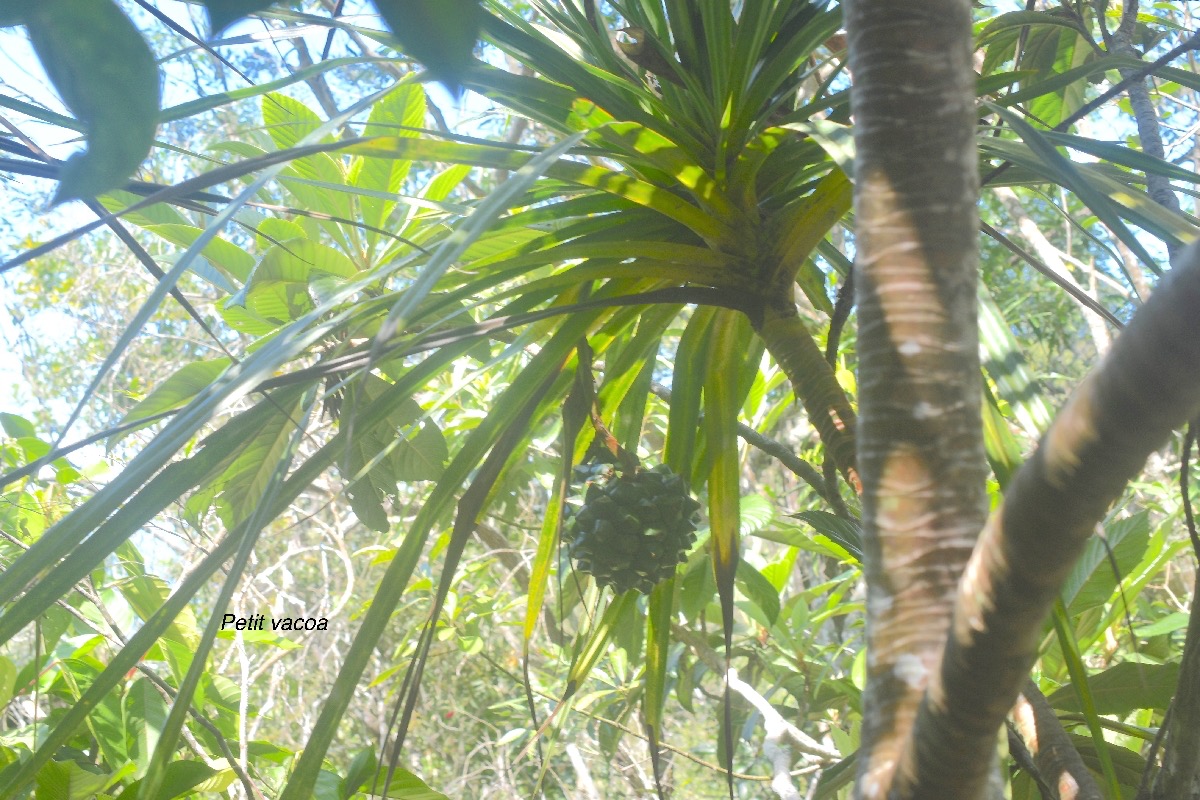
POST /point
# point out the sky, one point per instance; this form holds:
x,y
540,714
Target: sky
x,y
22,76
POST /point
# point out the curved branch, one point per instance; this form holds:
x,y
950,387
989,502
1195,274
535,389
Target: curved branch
x,y
1054,756
816,387
1152,377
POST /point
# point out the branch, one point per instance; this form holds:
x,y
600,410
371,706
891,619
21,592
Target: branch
x,y
1027,549
777,730
1157,186
1180,773
1053,264
814,383
1063,280
1054,756
772,447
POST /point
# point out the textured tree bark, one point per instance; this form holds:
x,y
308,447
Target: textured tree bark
x,y
1053,753
1147,386
815,385
1179,778
920,446
1121,43
931,714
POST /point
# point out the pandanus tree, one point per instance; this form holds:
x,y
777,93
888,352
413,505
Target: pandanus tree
x,y
691,207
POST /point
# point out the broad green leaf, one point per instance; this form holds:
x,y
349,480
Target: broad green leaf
x,y
297,259
779,572
279,287
17,426
443,183
398,114
275,231
404,785
361,768
176,391
106,721
1161,549
145,715
1052,45
245,480
146,595
53,625
756,512
1122,689
67,780
845,532
105,73
759,591
1176,620
223,13
1091,582
440,34
288,121
182,778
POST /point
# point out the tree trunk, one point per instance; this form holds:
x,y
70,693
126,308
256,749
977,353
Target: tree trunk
x,y
920,447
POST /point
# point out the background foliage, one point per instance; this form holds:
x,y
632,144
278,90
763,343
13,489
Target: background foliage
x,y
342,339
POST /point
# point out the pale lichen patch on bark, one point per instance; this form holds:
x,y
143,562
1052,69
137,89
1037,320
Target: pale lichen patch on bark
x,y
912,671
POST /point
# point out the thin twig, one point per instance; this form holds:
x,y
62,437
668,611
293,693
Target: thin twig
x,y
777,450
